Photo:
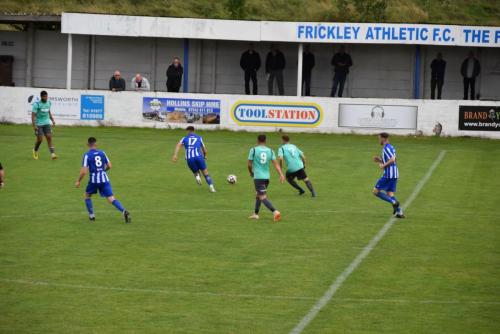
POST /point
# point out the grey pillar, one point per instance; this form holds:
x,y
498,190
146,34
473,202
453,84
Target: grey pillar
x,y
30,44
69,64
299,69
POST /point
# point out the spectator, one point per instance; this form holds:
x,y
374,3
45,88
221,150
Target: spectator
x,y
140,83
250,63
116,83
438,67
275,63
341,62
2,176
470,70
174,76
308,63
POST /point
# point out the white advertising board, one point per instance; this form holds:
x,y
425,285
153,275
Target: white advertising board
x,y
69,104
378,116
249,113
273,31
65,104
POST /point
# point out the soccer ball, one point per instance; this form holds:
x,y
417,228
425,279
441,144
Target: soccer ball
x,y
231,179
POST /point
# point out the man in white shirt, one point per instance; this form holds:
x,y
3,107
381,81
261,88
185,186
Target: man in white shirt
x,y
140,83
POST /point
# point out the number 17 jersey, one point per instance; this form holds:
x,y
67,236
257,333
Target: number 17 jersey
x,y
96,162
261,157
193,145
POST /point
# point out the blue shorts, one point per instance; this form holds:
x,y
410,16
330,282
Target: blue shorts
x,y
104,189
196,164
386,184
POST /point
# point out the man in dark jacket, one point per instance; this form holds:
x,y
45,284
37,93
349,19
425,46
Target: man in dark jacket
x,y
341,62
438,67
174,76
116,83
308,63
470,70
250,63
275,63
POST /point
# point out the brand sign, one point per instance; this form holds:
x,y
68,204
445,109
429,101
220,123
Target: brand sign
x,y
92,107
377,116
178,110
479,118
260,113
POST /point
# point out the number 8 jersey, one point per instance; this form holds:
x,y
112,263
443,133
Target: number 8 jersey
x,y
96,162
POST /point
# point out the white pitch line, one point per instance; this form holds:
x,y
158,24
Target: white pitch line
x,y
154,291
240,295
337,283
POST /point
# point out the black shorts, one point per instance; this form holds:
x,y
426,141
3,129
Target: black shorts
x,y
300,174
261,186
43,130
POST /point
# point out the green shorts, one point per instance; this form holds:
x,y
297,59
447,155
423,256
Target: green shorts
x,y
43,130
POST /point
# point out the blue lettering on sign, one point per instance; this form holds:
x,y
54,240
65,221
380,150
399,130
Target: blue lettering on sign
x,y
328,32
356,32
466,35
446,34
477,36
397,33
300,31
424,34
436,35
92,107
369,33
485,36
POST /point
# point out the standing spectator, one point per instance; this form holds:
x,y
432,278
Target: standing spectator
x,y
116,83
174,76
140,83
275,63
341,62
470,70
308,63
250,63
438,67
2,176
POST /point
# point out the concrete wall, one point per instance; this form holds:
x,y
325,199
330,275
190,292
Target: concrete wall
x,y
382,71
126,108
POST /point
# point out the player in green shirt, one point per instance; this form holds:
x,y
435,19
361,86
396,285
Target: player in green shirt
x,y
260,158
41,118
295,162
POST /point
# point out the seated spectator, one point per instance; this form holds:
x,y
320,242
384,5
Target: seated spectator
x,y
116,83
140,83
174,76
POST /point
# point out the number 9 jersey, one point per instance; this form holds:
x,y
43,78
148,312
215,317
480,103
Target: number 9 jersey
x,y
261,157
96,162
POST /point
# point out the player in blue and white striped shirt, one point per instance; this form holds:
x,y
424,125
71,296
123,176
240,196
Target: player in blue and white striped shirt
x,y
386,185
196,153
96,162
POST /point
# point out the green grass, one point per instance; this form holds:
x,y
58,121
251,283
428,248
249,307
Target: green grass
x,y
191,262
477,12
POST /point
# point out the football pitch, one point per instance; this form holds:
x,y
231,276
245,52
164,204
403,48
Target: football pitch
x,y
191,261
